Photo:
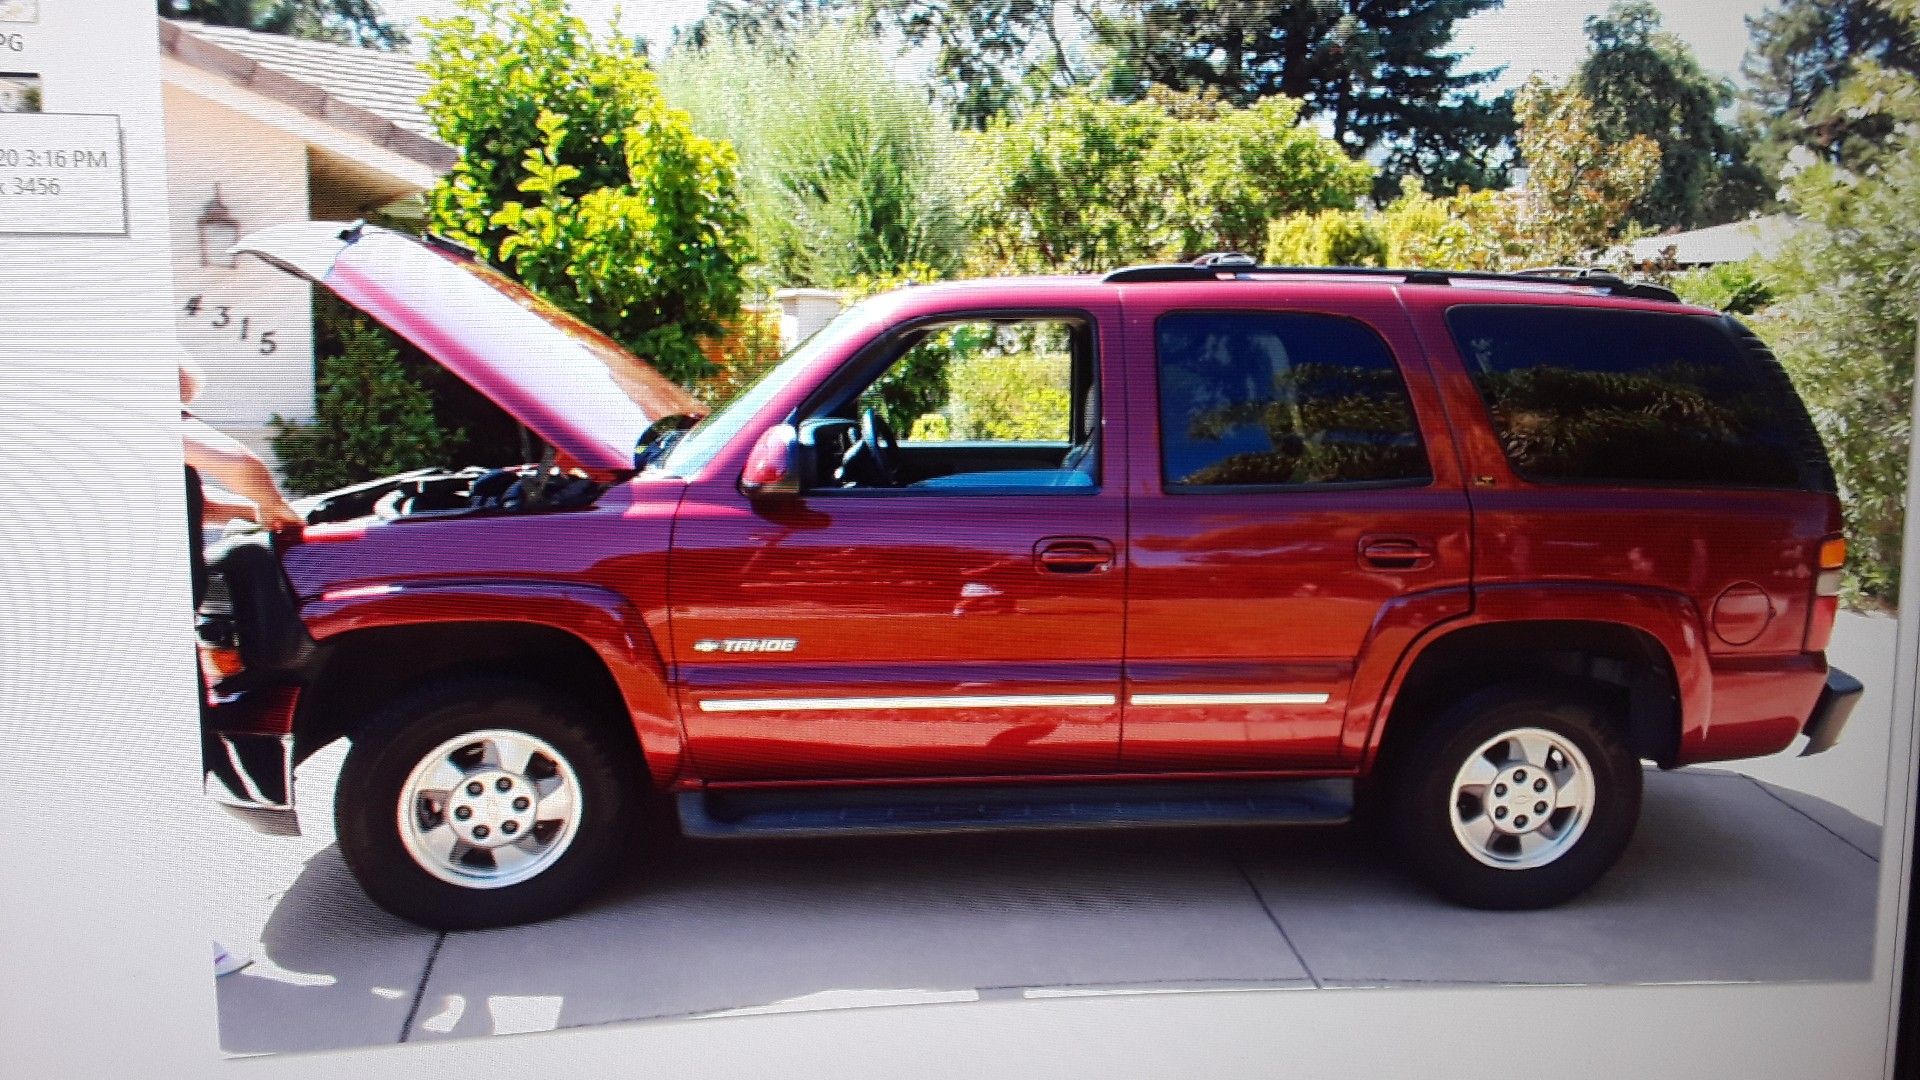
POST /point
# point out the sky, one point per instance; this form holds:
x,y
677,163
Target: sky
x,y
1548,36
1524,36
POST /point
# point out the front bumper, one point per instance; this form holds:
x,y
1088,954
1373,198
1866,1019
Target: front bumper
x,y
1830,713
246,750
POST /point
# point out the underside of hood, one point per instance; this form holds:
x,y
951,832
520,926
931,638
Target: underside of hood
x,y
572,385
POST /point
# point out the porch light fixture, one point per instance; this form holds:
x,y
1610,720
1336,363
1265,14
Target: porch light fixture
x,y
218,230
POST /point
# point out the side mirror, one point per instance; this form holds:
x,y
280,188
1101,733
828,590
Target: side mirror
x,y
773,467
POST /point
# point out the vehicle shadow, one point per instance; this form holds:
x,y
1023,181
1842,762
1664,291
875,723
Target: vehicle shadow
x,y
1724,881
333,970
1727,879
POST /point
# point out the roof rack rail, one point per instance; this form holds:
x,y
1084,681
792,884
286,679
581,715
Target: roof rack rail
x,y
1222,264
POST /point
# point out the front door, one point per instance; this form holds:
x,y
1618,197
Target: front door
x,y
945,599
1293,483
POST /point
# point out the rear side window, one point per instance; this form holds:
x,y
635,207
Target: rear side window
x,y
1637,397
1264,399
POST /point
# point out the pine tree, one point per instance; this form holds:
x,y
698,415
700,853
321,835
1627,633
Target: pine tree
x,y
1378,74
1643,80
1802,55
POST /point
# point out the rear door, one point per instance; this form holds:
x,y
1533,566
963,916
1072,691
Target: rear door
x,y
1294,487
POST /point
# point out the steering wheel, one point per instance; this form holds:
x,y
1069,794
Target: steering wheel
x,y
879,447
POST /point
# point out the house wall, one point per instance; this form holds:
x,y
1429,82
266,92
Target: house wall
x,y
250,327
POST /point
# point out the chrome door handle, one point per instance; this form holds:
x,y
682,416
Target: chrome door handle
x,y
1073,555
1396,553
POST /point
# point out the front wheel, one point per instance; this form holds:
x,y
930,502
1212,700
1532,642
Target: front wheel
x,y
1516,797
483,802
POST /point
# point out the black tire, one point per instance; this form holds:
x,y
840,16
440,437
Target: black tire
x,y
404,732
1422,807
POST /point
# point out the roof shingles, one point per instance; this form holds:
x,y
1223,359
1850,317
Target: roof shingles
x,y
357,87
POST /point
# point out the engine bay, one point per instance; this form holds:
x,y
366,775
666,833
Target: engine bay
x,y
439,493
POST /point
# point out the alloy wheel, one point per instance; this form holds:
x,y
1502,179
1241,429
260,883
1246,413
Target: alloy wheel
x,y
1522,799
489,809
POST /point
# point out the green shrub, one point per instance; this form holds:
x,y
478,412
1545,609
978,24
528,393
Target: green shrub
x,y
1083,185
930,427
976,381
915,386
1468,230
372,418
1843,325
1018,397
1734,287
846,169
1328,238
577,178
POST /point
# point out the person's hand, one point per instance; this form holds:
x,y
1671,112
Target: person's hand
x,y
277,515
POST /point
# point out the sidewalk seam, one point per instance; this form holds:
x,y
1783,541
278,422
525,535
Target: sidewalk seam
x,y
420,992
1776,798
1275,920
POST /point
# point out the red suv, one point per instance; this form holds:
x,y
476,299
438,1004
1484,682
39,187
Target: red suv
x,y
1185,544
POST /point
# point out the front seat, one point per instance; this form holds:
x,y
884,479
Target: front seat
x,y
1080,459
1075,471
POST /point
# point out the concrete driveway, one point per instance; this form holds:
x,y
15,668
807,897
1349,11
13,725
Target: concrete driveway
x,y
1765,874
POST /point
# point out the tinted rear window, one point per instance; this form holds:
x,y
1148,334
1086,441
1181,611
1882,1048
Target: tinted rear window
x,y
1637,397
1271,399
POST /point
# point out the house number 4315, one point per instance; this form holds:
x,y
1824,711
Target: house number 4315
x,y
222,317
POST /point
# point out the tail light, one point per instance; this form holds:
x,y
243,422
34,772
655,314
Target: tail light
x,y
1829,569
1833,560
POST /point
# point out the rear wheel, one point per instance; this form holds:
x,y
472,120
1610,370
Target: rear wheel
x,y
1516,797
483,802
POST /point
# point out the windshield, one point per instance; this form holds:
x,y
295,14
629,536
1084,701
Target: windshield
x,y
699,445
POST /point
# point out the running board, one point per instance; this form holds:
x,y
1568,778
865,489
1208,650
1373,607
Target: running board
x,y
919,810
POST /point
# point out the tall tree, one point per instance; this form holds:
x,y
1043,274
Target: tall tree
x,y
1466,142
1378,74
344,22
1644,80
756,22
991,55
1581,186
987,56
1798,66
1570,210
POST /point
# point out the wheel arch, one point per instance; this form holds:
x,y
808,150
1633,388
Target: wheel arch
x,y
1635,666
584,640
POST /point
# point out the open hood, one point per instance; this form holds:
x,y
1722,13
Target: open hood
x,y
572,385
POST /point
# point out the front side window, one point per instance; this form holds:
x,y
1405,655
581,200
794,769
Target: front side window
x,y
1614,396
1006,381
1281,399
977,404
